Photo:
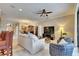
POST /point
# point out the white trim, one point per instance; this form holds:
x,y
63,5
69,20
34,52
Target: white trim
x,y
75,19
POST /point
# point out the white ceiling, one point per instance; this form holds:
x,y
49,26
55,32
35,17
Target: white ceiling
x,y
29,10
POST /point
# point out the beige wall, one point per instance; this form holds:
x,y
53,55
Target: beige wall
x,y
67,21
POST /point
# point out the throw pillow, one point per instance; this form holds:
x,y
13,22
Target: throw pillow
x,y
62,42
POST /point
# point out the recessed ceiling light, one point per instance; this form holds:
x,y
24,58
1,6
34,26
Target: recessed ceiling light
x,y
20,9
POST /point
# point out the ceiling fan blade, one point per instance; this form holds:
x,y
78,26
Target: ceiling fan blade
x,y
49,12
38,13
41,15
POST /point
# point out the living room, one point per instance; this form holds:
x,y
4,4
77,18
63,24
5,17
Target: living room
x,y
47,22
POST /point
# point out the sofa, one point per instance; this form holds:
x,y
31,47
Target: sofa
x,y
30,42
61,50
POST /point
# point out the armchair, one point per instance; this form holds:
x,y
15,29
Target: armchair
x,y
6,42
62,50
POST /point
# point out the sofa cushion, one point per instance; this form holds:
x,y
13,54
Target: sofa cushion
x,y
33,37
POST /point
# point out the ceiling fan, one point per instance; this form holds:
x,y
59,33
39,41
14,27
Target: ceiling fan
x,y
44,12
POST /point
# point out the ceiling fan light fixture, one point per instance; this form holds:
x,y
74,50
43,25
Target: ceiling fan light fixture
x,y
44,12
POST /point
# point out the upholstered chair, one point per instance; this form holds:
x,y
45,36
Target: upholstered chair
x,y
62,50
6,43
